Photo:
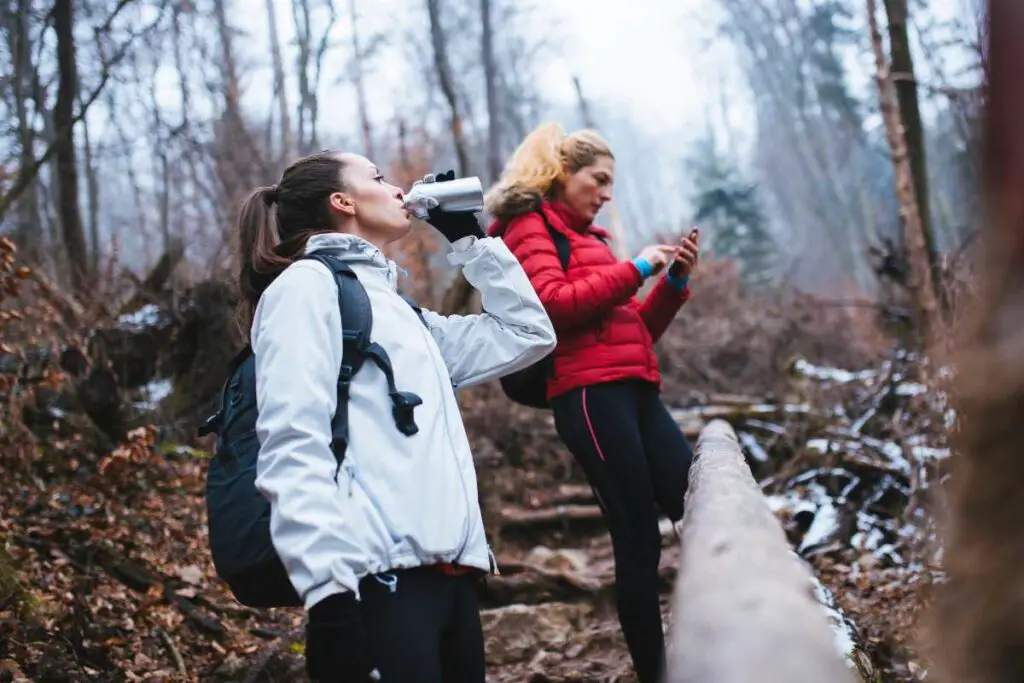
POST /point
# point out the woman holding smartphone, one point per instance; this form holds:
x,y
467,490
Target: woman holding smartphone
x,y
605,385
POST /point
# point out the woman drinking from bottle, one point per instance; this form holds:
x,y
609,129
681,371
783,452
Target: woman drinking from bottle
x,y
386,547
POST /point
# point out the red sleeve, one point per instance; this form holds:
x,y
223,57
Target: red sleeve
x,y
569,304
661,306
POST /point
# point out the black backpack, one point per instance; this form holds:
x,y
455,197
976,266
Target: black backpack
x,y
238,515
528,386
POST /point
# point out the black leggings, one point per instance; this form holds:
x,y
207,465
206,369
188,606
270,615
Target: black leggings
x,y
636,460
423,626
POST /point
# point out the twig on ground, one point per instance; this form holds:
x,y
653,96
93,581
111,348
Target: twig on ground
x,y
173,649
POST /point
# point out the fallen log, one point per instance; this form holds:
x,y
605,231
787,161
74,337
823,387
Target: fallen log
x,y
568,494
512,518
156,280
743,608
530,584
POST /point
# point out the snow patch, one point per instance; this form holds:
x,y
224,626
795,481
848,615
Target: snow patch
x,y
825,374
823,527
842,631
910,389
753,447
154,392
149,315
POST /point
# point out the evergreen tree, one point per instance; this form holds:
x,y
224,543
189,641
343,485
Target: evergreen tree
x,y
825,33
727,211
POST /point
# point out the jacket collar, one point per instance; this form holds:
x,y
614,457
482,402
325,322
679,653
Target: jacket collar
x,y
568,216
572,220
355,250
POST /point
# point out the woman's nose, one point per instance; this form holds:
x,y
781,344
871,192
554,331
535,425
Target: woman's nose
x,y
399,195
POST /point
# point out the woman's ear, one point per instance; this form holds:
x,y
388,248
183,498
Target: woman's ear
x,y
342,203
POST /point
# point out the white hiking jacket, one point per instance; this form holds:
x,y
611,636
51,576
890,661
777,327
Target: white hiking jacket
x,y
398,501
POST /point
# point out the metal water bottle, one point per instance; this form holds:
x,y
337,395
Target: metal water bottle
x,y
461,194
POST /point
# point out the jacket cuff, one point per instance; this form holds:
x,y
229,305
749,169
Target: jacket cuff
x,y
644,266
464,243
678,283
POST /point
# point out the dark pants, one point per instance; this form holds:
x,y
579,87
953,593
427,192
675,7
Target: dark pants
x,y
423,626
636,460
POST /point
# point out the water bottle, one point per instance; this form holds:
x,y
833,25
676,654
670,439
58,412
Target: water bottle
x,y
461,194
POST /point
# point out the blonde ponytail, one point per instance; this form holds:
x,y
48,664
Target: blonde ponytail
x,y
539,165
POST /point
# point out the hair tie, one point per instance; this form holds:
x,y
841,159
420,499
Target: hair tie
x,y
270,197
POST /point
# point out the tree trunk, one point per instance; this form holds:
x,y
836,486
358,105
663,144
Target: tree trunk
x,y
67,166
92,186
921,273
910,114
229,70
29,230
357,78
321,52
231,168
491,87
977,621
447,83
459,299
287,141
300,13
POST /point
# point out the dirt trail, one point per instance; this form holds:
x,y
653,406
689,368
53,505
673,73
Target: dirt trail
x,y
124,576
551,615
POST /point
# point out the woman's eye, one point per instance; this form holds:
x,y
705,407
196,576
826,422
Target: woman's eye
x,y
379,179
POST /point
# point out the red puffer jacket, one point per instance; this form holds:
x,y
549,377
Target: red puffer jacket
x,y
604,333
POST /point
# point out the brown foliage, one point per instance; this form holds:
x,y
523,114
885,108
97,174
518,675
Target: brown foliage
x,y
729,337
122,464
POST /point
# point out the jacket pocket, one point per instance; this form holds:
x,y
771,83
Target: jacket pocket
x,y
357,489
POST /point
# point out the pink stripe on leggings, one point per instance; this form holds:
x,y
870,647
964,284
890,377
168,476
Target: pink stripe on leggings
x,y
590,425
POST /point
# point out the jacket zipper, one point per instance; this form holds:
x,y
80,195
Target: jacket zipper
x,y
462,480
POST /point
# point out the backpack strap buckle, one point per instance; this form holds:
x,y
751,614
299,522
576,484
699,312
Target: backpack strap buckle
x,y
403,402
210,424
403,405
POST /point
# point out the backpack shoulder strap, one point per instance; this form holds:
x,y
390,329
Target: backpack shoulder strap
x,y
560,240
357,324
357,315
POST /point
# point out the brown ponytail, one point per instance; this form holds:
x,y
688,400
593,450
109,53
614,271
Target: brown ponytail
x,y
275,222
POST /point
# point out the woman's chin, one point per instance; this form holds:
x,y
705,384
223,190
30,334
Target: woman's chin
x,y
403,228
